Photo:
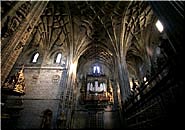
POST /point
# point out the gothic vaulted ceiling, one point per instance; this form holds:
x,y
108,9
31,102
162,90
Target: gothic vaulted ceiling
x,y
95,31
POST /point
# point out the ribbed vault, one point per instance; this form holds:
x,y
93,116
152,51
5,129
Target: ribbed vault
x,y
101,31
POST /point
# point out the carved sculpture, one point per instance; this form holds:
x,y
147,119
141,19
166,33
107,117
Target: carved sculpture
x,y
46,121
61,122
16,84
20,82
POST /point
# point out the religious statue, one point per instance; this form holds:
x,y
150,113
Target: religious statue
x,y
20,82
16,84
46,121
61,122
110,94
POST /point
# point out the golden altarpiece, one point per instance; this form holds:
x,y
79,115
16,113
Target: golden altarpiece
x,y
14,86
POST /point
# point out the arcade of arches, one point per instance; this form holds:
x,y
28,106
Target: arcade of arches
x,y
85,64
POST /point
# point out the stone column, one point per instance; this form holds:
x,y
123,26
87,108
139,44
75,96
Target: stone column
x,y
15,45
123,78
115,93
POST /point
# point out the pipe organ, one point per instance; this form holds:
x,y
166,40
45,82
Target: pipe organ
x,y
96,88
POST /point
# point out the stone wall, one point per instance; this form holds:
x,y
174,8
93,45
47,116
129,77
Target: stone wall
x,y
43,89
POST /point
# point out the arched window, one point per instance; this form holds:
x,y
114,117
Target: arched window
x,y
35,58
96,69
58,58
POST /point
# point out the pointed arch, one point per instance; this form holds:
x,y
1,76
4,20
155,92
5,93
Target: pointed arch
x,y
58,58
35,57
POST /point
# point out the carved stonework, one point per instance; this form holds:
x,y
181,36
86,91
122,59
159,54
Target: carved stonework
x,y
55,78
35,78
12,22
22,31
19,46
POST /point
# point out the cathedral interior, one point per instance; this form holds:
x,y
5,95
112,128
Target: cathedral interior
x,y
87,64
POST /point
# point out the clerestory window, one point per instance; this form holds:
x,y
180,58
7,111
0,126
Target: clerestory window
x,y
58,58
96,69
35,58
159,26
